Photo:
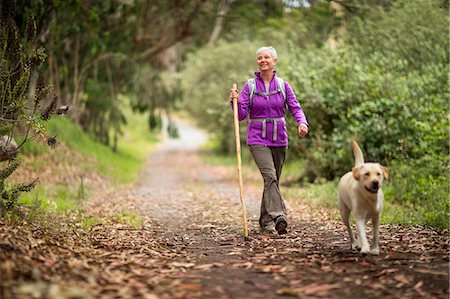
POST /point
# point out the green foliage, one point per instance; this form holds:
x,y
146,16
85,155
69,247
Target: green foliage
x,y
122,166
314,25
254,19
128,218
159,93
385,86
105,118
57,198
22,115
89,222
392,116
417,31
320,195
324,196
34,148
90,55
10,194
389,97
206,81
397,118
422,185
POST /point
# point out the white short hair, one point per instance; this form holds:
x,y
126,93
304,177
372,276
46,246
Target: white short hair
x,y
271,49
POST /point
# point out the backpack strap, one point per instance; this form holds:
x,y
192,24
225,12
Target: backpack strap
x,y
252,90
282,87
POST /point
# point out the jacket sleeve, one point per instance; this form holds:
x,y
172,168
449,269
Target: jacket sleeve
x,y
294,106
243,104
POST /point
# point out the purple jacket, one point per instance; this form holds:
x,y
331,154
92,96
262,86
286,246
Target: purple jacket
x,y
263,113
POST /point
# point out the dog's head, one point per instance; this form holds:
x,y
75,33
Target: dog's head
x,y
370,176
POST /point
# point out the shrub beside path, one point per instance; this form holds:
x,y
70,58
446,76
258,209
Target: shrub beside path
x,y
188,243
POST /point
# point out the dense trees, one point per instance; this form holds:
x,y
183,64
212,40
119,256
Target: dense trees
x,y
374,70
98,50
377,75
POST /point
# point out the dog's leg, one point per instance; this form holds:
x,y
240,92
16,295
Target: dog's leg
x,y
361,225
345,214
375,249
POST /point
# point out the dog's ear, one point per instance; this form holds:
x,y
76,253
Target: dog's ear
x,y
385,171
356,174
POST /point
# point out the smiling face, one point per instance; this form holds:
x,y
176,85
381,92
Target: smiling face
x,y
370,176
265,61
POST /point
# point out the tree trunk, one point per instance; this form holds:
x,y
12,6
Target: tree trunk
x,y
54,74
151,38
169,58
113,113
76,81
222,11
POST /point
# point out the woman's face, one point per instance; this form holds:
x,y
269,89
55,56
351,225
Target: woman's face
x,y
265,61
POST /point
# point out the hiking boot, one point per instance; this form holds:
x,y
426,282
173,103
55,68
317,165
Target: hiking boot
x,y
281,225
282,232
267,229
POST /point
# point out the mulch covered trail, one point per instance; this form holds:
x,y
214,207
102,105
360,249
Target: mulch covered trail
x,y
189,244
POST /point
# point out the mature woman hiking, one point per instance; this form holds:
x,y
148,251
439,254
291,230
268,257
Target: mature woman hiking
x,y
264,100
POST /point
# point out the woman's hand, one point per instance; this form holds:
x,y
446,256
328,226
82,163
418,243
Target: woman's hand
x,y
302,130
234,94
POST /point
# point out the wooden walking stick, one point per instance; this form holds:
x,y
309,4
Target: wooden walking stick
x,y
238,156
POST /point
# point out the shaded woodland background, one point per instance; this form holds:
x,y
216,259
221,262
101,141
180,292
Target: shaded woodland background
x,y
372,70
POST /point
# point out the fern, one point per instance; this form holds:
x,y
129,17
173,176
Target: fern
x,y
8,170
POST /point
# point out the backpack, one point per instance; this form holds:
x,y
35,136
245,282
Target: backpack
x,y
252,90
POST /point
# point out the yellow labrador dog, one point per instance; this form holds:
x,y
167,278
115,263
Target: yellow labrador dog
x,y
360,192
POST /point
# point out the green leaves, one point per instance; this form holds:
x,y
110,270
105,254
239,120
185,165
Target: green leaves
x,y
385,85
19,108
20,87
206,81
31,28
9,169
415,31
387,89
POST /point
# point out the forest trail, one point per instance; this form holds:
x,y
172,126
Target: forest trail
x,y
198,210
190,245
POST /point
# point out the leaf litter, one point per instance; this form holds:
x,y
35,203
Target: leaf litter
x,y
189,244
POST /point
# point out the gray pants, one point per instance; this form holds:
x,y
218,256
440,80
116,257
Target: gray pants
x,y
270,162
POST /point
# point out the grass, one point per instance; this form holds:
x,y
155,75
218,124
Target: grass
x,y
129,218
322,195
57,198
133,147
122,166
214,157
89,222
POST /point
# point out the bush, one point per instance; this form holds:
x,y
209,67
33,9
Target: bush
x,y
206,81
385,87
421,185
392,116
22,96
387,95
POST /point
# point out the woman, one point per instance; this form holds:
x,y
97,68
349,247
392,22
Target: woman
x,y
264,100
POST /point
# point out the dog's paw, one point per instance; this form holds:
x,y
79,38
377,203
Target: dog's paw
x,y
365,250
375,251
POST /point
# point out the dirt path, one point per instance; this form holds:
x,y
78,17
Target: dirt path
x,y
188,244
197,208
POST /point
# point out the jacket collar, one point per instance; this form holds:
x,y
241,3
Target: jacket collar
x,y
258,74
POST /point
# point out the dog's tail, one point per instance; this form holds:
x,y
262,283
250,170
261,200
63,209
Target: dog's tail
x,y
359,158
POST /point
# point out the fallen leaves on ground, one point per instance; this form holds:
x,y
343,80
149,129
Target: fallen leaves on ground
x,y
189,244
